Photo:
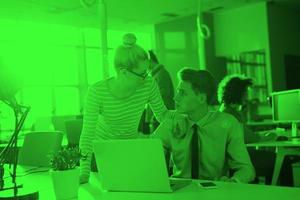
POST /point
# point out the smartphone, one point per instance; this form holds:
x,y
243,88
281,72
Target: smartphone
x,y
207,185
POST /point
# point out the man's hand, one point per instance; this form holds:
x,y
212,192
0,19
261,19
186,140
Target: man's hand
x,y
226,179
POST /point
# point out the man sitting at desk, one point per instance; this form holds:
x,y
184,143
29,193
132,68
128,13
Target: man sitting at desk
x,y
212,142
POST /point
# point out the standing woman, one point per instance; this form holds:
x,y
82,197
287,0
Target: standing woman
x,y
114,106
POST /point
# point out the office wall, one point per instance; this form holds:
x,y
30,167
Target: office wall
x,y
215,64
274,27
241,29
284,26
176,44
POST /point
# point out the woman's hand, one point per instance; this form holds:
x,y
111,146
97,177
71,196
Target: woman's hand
x,y
84,178
180,124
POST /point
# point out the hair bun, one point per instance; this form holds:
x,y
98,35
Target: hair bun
x,y
129,40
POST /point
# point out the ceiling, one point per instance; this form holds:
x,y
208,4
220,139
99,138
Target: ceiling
x,y
124,13
129,14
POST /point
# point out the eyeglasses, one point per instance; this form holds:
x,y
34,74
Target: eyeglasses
x,y
143,75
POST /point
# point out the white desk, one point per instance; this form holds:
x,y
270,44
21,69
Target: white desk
x,y
230,191
295,143
283,148
21,141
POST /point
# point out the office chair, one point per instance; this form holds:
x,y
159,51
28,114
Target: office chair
x,y
73,131
59,122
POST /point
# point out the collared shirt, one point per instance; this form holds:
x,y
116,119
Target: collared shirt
x,y
230,110
221,146
249,135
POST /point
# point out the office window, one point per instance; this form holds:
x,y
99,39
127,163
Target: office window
x,y
45,59
67,101
91,37
65,66
94,65
6,121
55,64
40,99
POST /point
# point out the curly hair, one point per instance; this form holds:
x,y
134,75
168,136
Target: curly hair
x,y
232,89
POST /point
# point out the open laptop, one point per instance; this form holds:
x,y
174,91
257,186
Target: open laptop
x,y
134,165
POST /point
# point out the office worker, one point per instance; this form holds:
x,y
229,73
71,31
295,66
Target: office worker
x,y
213,143
163,79
233,97
114,106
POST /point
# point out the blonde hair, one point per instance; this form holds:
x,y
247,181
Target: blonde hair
x,y
128,54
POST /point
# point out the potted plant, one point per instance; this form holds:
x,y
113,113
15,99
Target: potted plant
x,y
65,173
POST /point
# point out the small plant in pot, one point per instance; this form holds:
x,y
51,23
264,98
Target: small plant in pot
x,y
65,173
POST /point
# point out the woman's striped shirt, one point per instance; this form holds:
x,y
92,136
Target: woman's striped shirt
x,y
109,117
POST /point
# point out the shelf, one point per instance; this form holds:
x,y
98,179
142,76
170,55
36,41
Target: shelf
x,y
246,63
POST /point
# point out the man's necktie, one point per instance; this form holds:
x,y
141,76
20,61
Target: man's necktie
x,y
195,153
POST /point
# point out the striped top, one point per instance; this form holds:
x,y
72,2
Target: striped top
x,y
109,117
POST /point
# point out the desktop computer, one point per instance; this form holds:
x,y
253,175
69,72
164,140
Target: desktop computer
x,y
286,108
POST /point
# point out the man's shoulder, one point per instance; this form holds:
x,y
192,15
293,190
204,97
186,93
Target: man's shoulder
x,y
225,116
227,124
224,119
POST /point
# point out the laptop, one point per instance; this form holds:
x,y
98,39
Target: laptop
x,y
134,165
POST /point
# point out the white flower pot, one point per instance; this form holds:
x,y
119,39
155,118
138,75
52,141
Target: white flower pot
x,y
65,183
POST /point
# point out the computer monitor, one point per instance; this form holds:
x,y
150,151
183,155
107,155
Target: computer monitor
x,y
286,108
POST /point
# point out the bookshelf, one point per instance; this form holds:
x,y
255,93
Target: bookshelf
x,y
253,65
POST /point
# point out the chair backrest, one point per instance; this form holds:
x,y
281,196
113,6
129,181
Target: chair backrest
x,y
59,122
38,147
73,131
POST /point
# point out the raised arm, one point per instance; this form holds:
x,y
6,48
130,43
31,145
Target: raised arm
x,y
166,88
156,103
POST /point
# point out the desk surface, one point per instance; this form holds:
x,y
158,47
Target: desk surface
x,y
295,143
230,191
263,123
21,141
